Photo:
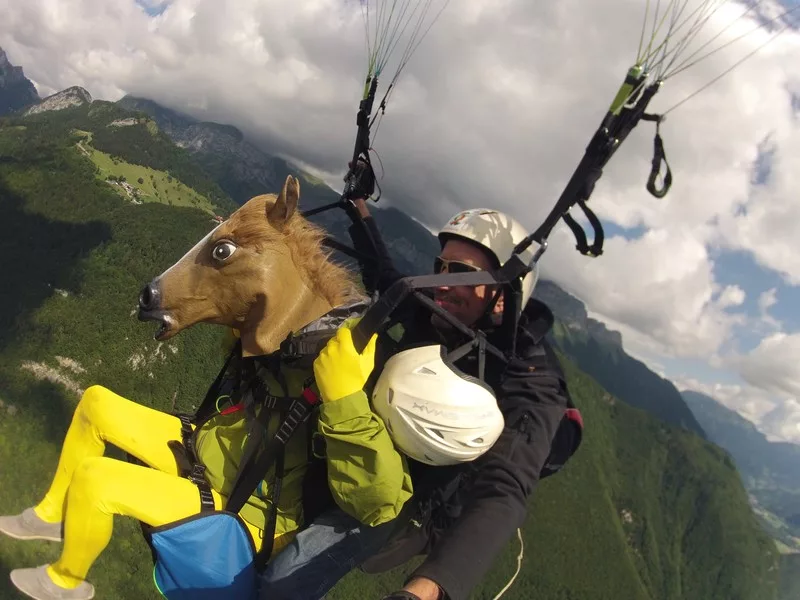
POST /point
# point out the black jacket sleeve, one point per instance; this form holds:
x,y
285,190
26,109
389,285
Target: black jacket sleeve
x,y
533,398
366,238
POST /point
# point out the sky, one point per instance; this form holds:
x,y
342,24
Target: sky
x,y
495,109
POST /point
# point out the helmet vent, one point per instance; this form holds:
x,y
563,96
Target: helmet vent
x,y
433,412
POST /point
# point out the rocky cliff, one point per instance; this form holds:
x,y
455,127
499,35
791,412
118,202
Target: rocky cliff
x,y
72,96
16,91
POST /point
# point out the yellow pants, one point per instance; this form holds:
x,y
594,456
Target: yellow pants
x,y
88,488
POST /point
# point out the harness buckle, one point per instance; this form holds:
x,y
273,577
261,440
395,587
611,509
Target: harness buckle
x,y
318,445
197,476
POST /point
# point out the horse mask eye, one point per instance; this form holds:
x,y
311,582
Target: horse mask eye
x,y
223,251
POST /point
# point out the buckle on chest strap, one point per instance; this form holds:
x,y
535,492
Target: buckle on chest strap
x,y
319,448
197,477
198,474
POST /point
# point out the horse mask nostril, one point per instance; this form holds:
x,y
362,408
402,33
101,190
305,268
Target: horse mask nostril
x,y
149,297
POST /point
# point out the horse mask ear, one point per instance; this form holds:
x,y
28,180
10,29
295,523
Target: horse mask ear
x,y
284,207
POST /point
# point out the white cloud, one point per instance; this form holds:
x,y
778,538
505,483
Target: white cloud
x,y
732,295
496,108
776,416
773,365
751,403
766,301
783,422
673,302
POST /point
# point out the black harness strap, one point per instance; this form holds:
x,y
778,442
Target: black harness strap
x,y
378,315
258,457
256,464
596,249
209,404
263,555
365,255
197,473
252,469
613,131
659,157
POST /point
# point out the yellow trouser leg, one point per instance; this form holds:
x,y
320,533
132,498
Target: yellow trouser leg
x,y
102,487
93,488
103,416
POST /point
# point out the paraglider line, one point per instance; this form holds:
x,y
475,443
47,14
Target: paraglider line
x,y
685,66
719,33
725,72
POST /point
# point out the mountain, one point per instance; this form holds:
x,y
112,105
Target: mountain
x,y
16,91
790,577
599,352
101,199
770,470
243,171
759,460
74,96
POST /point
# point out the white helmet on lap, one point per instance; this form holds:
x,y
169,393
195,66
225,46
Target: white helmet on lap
x,y
496,232
435,413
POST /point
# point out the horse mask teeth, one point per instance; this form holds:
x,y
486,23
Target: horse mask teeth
x,y
166,323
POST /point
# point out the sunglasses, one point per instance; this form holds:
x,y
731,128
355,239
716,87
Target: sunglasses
x,y
453,266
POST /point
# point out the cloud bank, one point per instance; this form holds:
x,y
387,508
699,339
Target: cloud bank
x,y
495,109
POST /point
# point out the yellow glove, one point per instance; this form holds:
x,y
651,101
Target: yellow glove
x,y
339,369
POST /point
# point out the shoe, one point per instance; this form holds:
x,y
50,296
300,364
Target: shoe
x,y
411,541
28,526
37,584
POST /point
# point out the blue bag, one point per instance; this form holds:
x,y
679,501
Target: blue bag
x,y
219,544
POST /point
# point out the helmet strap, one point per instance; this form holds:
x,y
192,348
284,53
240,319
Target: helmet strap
x,y
478,344
487,319
512,310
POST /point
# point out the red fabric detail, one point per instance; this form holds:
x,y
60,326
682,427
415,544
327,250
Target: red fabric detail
x,y
310,396
573,414
232,409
